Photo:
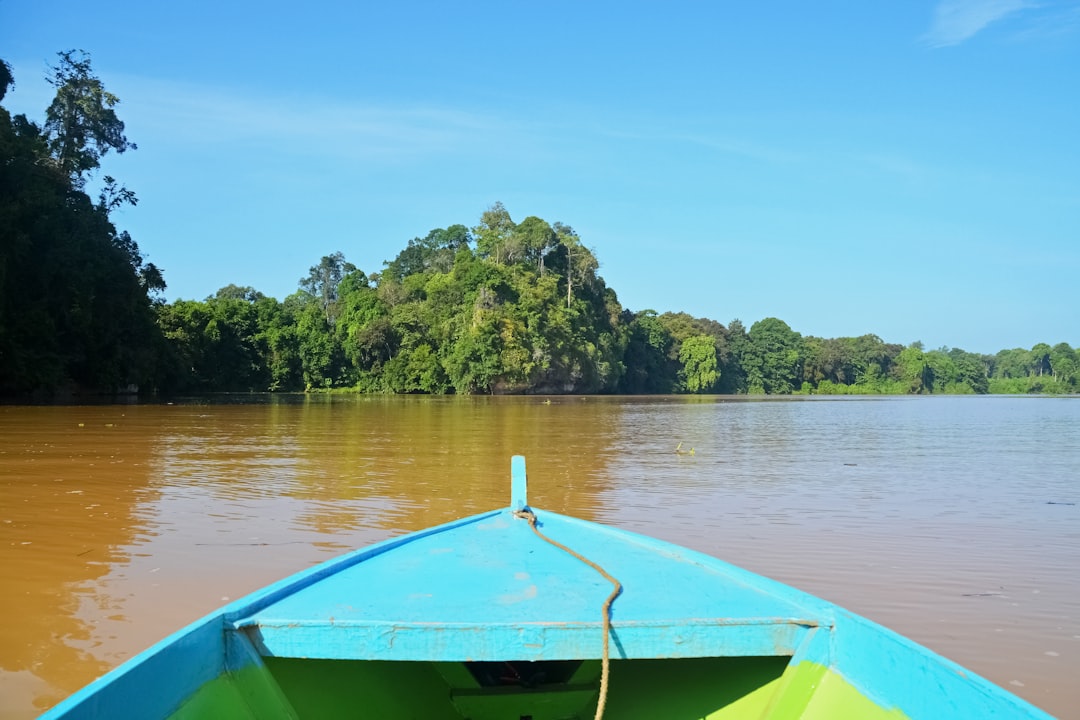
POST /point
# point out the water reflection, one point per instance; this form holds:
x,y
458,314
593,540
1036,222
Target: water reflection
x,y
72,485
927,514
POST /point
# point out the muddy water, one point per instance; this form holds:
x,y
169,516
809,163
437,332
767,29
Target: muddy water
x,y
955,521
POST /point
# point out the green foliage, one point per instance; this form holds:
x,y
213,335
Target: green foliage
x,y
76,298
236,341
81,125
433,253
828,387
493,235
913,371
7,80
737,347
1065,364
439,318
700,372
847,361
474,362
1043,369
1032,385
649,366
774,360
322,283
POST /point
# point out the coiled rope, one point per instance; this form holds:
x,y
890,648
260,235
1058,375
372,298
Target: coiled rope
x,y
529,515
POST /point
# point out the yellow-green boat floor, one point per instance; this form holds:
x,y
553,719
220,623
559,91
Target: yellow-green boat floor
x,y
685,689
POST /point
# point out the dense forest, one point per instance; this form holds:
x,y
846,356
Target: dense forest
x,y
76,297
499,307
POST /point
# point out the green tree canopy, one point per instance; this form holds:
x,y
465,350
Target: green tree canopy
x,y
7,80
322,282
76,298
774,362
700,372
81,124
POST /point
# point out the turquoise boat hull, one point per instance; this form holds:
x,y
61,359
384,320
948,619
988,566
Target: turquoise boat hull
x,y
491,617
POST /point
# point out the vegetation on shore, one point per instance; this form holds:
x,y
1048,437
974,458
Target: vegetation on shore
x,y
76,297
502,307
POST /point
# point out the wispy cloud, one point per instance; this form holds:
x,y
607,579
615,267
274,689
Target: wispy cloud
x,y
749,149
957,20
177,113
201,116
1054,22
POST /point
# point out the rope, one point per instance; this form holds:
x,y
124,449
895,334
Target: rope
x,y
605,657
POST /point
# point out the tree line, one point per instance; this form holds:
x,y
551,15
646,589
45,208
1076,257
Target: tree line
x,y
458,321
503,306
76,296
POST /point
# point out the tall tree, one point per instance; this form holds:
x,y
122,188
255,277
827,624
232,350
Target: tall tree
x,y
580,264
733,370
81,123
494,234
533,238
775,363
1064,363
1040,360
323,280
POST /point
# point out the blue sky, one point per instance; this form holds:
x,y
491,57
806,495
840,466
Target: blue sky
x,y
908,169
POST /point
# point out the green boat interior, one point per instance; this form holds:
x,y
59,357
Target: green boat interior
x,y
680,689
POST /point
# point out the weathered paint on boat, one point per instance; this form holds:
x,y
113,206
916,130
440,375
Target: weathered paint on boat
x,y
481,618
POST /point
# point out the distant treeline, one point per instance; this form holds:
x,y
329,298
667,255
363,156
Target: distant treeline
x,y
502,307
518,308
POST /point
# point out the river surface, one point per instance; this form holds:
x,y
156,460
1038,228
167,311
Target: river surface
x,y
953,520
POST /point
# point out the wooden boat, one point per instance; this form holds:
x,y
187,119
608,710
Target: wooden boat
x,y
530,615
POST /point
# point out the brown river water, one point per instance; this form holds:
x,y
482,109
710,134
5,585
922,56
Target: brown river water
x,y
952,520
